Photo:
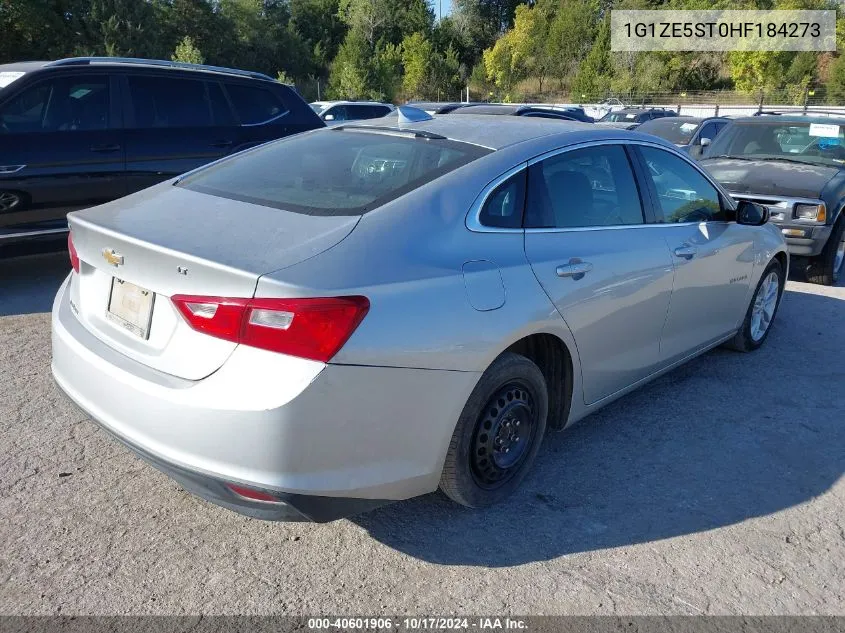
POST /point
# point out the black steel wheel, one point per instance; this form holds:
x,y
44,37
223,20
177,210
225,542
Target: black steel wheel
x,y
503,435
498,434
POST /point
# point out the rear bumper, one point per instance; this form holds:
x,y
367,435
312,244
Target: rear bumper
x,y
328,440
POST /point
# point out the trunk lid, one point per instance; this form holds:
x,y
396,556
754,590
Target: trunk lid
x,y
168,240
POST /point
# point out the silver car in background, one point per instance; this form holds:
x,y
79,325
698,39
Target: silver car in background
x,y
365,313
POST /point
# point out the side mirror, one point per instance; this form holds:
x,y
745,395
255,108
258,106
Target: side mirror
x,y
751,213
328,117
704,141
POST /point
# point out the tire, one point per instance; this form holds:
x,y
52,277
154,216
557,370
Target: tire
x,y
510,397
748,337
825,269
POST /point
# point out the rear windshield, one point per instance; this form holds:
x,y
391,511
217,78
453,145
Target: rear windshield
x,y
333,172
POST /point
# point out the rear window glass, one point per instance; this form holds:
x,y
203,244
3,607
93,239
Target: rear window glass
x,y
333,172
255,105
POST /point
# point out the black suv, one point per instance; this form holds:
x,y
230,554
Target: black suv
x,y
79,132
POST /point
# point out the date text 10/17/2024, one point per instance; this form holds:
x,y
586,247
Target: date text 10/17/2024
x,y
418,623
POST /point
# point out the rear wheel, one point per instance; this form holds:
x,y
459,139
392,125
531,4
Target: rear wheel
x,y
498,434
827,268
761,313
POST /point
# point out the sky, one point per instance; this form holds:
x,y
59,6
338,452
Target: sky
x,y
447,7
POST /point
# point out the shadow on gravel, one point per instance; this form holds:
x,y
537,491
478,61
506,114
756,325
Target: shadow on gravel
x,y
722,439
29,283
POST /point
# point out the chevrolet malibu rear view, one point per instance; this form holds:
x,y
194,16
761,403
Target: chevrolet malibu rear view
x,y
358,315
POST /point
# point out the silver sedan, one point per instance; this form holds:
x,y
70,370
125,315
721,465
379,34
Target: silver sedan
x,y
362,314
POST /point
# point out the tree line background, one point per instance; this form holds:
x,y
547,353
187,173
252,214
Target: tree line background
x,y
394,50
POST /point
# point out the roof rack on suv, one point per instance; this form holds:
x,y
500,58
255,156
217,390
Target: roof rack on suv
x,y
81,61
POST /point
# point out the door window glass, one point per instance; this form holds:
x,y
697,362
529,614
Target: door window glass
x,y
503,208
683,193
73,103
708,131
220,110
338,113
253,104
169,102
587,187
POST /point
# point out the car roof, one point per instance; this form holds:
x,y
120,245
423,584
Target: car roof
x,y
476,128
22,66
798,118
135,62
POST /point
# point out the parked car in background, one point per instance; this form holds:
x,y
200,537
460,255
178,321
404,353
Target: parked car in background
x,y
523,110
336,111
403,306
630,118
597,111
79,132
690,134
795,165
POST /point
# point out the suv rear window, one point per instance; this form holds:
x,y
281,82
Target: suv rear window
x,y
333,172
255,105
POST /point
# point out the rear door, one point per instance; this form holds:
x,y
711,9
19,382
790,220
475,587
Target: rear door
x,y
61,149
175,122
713,257
607,270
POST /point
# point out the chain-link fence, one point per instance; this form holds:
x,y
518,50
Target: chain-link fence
x,y
727,103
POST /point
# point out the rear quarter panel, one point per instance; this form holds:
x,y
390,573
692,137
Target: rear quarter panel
x,y
407,258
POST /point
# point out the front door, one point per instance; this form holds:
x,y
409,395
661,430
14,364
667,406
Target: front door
x,y
608,272
713,257
61,149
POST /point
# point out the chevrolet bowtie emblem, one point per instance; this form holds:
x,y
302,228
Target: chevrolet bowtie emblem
x,y
111,257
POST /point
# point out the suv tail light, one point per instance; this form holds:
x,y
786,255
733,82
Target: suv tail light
x,y
74,256
313,328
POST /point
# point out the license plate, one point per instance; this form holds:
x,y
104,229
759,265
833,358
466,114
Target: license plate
x,y
131,307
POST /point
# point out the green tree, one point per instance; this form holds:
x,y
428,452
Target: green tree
x,y
592,80
187,52
417,59
320,26
758,72
836,80
515,55
570,37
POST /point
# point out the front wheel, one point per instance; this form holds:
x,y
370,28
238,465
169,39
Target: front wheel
x,y
761,313
498,434
827,268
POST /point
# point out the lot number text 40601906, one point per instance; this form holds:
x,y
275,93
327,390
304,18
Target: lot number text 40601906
x,y
419,623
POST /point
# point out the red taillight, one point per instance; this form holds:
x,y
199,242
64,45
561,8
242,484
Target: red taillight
x,y
74,256
314,328
251,493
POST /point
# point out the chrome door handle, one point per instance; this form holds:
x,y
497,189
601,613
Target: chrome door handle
x,y
687,252
576,270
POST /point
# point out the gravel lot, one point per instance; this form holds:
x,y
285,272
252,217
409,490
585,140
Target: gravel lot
x,y
717,489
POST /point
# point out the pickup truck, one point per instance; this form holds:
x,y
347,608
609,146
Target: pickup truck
x,y
795,165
